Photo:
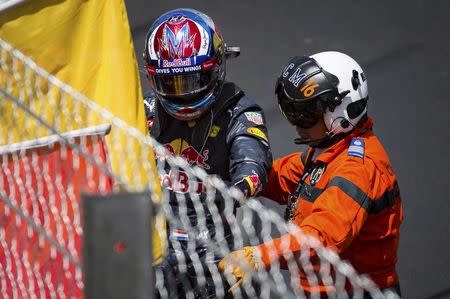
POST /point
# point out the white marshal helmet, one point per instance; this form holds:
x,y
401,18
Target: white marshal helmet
x,y
352,86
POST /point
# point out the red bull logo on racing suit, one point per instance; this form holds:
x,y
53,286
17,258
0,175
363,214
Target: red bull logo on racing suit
x,y
178,180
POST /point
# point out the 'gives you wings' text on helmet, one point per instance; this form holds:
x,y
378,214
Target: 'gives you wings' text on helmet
x,y
185,62
329,85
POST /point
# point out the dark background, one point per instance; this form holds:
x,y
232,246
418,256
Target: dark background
x,y
404,48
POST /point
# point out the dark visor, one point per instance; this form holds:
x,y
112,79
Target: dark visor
x,y
304,114
184,88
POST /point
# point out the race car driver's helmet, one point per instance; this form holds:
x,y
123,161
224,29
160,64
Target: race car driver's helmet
x,y
328,85
185,62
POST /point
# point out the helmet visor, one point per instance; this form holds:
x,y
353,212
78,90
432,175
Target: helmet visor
x,y
184,89
304,114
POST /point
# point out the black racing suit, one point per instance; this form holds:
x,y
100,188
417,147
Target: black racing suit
x,y
230,141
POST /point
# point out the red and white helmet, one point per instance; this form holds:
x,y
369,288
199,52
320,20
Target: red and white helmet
x,y
185,61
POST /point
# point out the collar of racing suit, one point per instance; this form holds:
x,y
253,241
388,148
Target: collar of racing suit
x,y
229,95
332,151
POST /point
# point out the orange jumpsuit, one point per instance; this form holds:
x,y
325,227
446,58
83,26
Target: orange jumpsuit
x,y
350,202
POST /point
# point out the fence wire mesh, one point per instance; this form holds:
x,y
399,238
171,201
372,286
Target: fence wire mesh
x,y
71,152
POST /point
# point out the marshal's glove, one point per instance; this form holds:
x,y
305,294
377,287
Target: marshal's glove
x,y
241,264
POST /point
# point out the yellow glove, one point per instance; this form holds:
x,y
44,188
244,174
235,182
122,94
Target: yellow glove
x,y
241,264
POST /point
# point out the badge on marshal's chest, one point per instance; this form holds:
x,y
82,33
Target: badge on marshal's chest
x,y
316,174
